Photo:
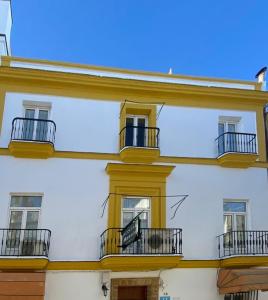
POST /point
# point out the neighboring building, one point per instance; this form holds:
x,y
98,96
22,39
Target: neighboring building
x,y
85,149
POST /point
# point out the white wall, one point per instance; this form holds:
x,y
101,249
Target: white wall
x,y
73,285
186,284
93,126
201,214
86,126
74,191
179,284
191,132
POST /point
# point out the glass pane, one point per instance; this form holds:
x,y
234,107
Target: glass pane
x,y
231,127
15,220
26,201
220,128
221,146
42,126
228,223
240,222
29,113
144,220
139,203
43,114
129,139
28,125
14,236
127,217
141,134
31,223
234,206
32,220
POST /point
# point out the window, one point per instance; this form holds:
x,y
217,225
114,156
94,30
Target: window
x,y
235,222
134,206
35,130
252,295
135,131
24,214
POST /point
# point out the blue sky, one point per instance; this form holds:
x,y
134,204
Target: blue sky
x,y
226,38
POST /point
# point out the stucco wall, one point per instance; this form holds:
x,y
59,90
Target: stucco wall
x,y
93,126
74,191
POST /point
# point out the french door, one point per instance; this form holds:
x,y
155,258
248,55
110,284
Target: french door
x,y
136,131
132,207
21,219
35,130
235,225
227,142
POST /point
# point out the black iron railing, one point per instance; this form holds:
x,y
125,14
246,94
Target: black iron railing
x,y
24,242
138,136
37,130
236,142
252,295
243,243
153,241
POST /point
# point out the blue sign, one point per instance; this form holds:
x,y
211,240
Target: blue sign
x,y
164,298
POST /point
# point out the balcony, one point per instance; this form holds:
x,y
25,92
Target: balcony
x,y
154,249
139,144
32,138
237,149
236,244
26,244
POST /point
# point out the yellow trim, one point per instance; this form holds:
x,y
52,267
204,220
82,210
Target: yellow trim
x,y
261,134
134,180
2,104
141,263
115,89
237,160
119,262
116,157
244,261
23,263
138,109
74,265
6,60
31,149
139,155
199,264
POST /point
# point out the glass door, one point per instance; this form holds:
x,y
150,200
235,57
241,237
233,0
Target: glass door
x,y
35,130
28,125
19,239
42,126
235,225
227,142
136,131
132,207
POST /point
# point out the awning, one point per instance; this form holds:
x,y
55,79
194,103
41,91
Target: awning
x,y
242,280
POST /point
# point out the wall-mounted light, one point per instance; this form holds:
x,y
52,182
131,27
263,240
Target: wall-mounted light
x,y
104,289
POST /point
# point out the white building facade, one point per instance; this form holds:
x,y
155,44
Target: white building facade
x,y
122,185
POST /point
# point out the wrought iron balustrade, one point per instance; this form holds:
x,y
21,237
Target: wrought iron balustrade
x,y
243,243
237,143
251,295
24,242
139,136
152,241
37,130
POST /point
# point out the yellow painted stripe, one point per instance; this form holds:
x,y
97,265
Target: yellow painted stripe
x,y
116,157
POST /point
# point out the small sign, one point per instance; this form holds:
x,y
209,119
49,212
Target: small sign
x,y
164,298
131,233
